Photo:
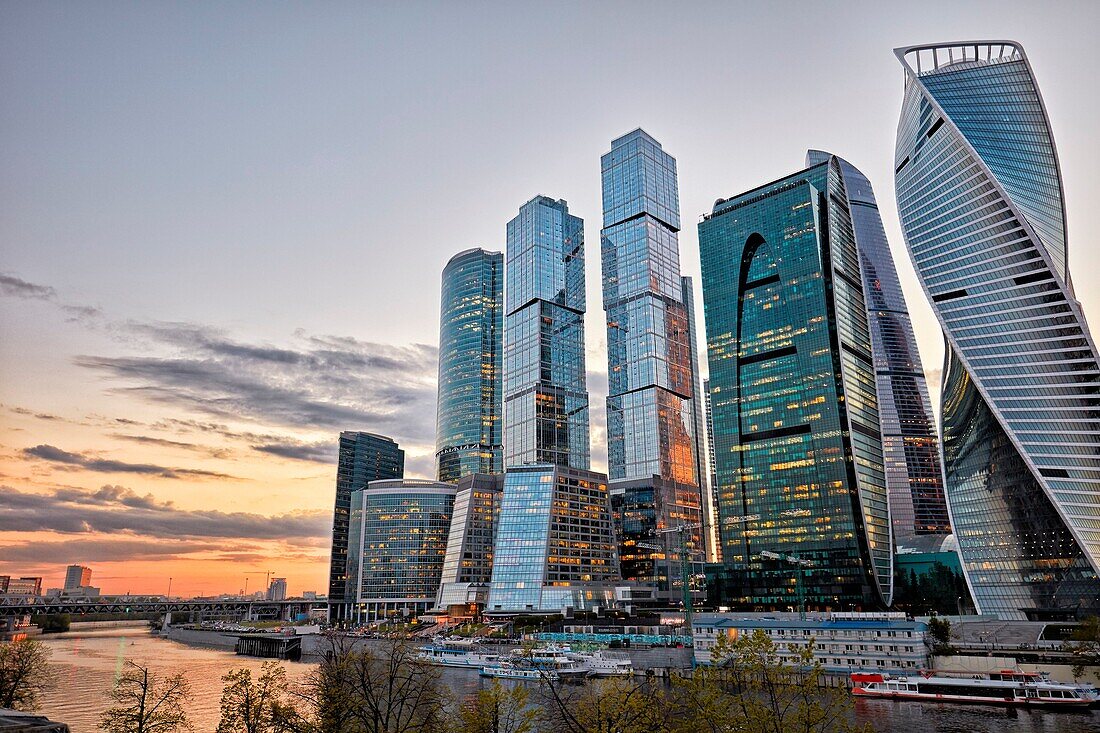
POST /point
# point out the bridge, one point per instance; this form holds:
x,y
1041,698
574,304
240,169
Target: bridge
x,y
190,610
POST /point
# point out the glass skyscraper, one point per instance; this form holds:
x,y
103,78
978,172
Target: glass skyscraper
x,y
797,444
468,565
654,458
910,449
364,457
555,545
545,387
471,341
397,541
982,208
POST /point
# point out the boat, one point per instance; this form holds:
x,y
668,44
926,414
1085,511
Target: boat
x,y
455,653
514,671
1004,687
604,664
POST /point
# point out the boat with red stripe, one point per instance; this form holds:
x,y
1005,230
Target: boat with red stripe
x,y
1004,687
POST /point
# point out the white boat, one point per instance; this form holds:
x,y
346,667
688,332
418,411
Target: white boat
x,y
456,653
1006,687
509,671
604,664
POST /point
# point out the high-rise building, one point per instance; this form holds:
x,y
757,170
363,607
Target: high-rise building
x,y
364,457
910,448
77,576
555,545
983,212
797,443
276,590
471,341
397,540
714,553
653,454
468,564
545,388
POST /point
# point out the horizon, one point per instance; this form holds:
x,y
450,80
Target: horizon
x,y
223,230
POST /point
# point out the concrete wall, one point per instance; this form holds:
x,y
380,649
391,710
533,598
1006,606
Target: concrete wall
x,y
1060,672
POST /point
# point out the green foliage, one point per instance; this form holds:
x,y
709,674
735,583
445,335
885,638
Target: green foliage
x,y
606,706
25,673
939,630
1084,645
147,703
937,591
497,709
52,622
249,706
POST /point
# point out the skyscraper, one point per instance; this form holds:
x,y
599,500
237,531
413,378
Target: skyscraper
x,y
397,542
652,427
77,576
982,208
471,340
910,449
364,457
797,444
555,545
714,553
468,564
545,392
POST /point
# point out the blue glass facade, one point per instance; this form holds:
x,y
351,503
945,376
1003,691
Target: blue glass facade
x,y
981,206
797,446
654,457
910,448
364,457
545,387
555,544
471,342
397,541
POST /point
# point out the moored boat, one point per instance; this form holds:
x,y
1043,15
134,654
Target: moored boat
x,y
456,653
1006,687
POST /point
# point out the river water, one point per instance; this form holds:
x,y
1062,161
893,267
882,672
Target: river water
x,y
89,661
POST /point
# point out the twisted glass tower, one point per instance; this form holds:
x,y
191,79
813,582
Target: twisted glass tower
x,y
545,386
981,205
471,339
653,454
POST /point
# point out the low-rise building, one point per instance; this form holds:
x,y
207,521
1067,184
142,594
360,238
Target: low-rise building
x,y
842,642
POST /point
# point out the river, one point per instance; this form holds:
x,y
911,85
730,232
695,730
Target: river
x,y
88,662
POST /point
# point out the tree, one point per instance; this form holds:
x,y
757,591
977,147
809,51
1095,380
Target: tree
x,y
147,703
606,706
1084,645
939,630
253,706
497,709
753,688
25,673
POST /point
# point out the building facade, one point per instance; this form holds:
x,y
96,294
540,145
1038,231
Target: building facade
x,y
798,449
276,591
555,545
468,564
711,514
545,386
910,447
653,428
364,457
397,542
982,208
77,576
842,642
471,342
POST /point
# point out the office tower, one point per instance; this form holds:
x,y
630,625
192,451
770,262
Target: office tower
x,y
910,449
714,553
276,590
708,506
652,450
545,392
364,457
468,564
397,539
797,445
555,545
982,209
77,576
471,340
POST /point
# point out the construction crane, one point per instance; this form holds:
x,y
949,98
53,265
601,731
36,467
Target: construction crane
x,y
685,565
267,578
802,565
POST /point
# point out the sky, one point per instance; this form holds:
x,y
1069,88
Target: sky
x,y
222,226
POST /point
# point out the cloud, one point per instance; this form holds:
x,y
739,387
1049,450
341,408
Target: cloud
x,y
321,382
36,554
323,452
117,509
15,287
82,461
32,413
149,440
